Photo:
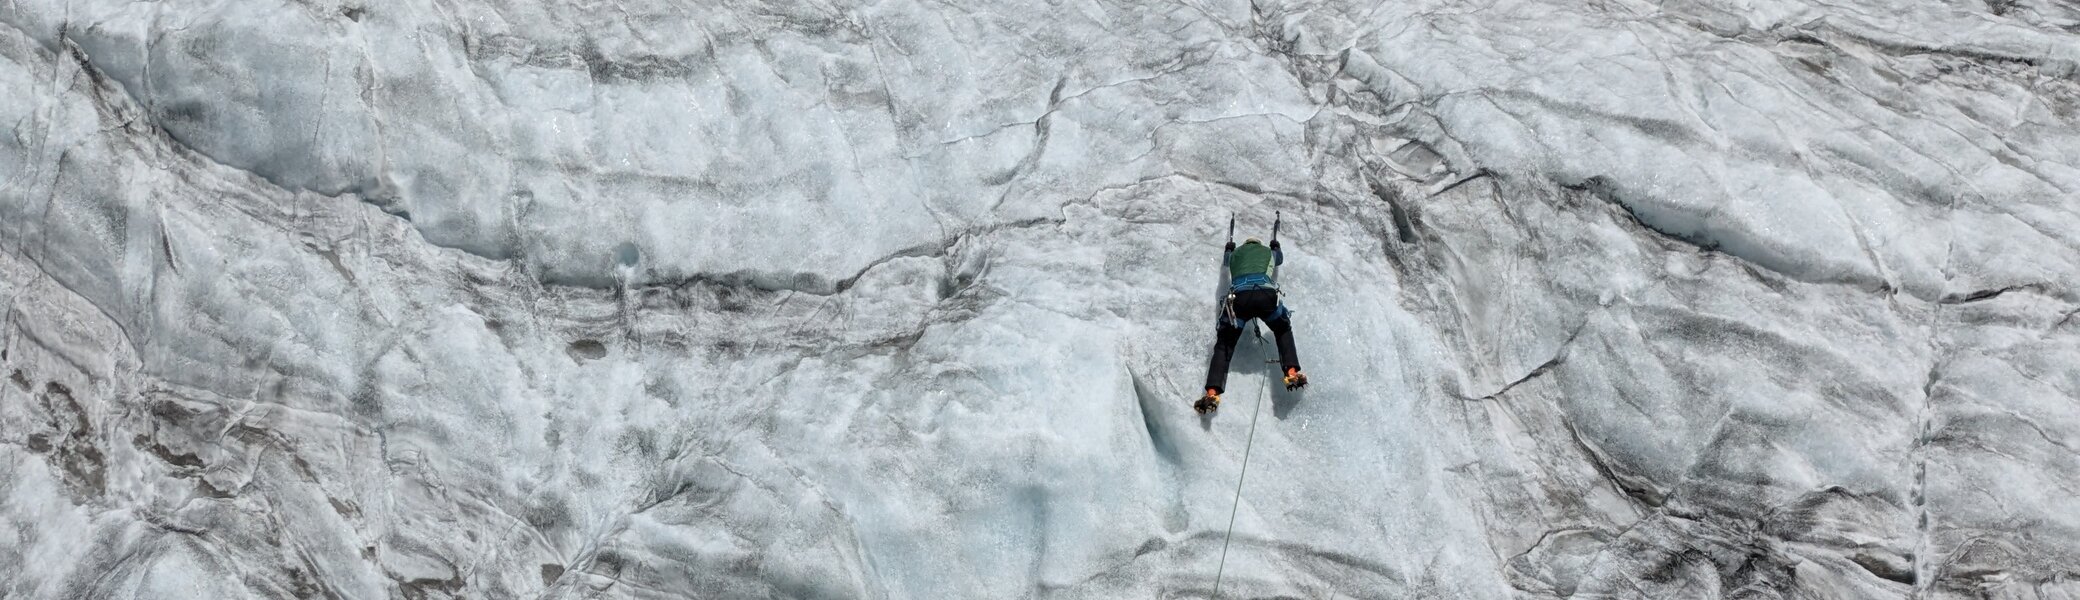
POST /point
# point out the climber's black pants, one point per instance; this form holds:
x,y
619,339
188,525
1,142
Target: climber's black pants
x,y
1253,304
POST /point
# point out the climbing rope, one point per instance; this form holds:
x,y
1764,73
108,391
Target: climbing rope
x,y
1252,442
1255,412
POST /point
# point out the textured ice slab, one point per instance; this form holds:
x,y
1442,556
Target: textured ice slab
x,y
908,300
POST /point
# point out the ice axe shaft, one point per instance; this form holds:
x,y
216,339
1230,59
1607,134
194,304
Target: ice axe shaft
x,y
1276,219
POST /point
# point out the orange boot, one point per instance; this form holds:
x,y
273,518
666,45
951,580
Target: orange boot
x,y
1295,379
1208,402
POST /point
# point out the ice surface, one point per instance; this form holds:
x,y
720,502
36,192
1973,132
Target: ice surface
x,y
1611,299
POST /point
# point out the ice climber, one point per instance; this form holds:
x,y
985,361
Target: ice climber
x,y
1252,294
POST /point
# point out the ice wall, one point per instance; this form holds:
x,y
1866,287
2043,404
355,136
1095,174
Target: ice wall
x,y
1601,299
